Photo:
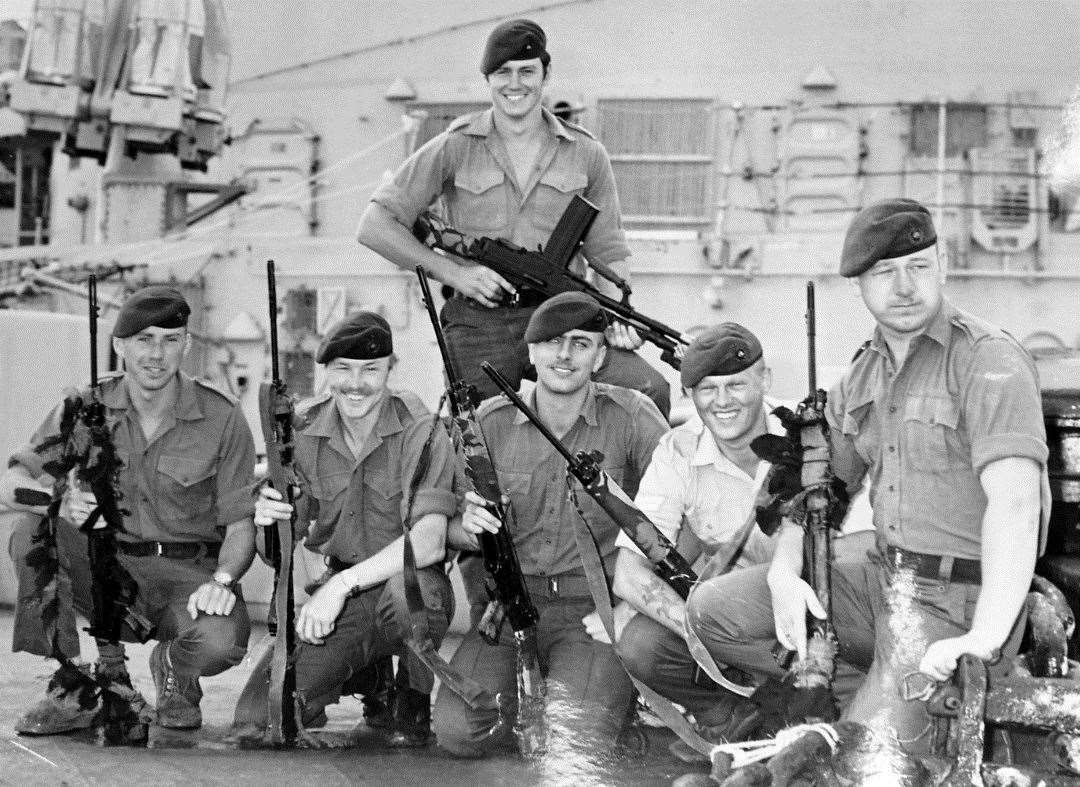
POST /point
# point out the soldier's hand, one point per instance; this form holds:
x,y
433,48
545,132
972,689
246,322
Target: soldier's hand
x,y
939,661
623,336
210,598
477,518
77,505
270,507
483,285
791,598
318,616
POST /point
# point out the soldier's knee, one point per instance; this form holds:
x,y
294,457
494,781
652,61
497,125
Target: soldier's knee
x,y
637,651
708,613
212,645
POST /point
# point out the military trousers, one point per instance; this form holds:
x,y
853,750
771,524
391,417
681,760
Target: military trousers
x,y
205,646
885,620
475,333
589,695
372,625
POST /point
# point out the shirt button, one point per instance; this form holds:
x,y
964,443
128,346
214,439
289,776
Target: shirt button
x,y
892,408
892,488
892,449
892,527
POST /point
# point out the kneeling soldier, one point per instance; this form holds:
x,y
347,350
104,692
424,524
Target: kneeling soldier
x,y
357,449
566,344
186,465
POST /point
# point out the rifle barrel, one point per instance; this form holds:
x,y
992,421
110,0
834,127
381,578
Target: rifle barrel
x,y
91,298
429,303
511,394
811,340
271,285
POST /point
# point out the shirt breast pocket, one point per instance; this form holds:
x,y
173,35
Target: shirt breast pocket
x,y
480,200
327,486
553,194
927,419
383,494
187,486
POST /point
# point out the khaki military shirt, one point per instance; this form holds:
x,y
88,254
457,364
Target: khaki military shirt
x,y
468,165
966,395
194,475
624,424
358,502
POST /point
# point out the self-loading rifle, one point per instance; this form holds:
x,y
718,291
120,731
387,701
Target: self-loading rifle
x,y
587,468
547,271
84,447
276,414
507,591
807,492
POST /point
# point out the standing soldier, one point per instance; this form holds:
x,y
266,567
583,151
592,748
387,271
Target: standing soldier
x,y
357,450
508,172
184,483
566,344
940,411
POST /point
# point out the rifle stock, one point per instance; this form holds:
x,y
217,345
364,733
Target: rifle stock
x,y
667,562
276,416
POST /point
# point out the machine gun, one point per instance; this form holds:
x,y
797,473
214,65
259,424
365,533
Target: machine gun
x,y
547,271
84,446
586,467
276,416
509,596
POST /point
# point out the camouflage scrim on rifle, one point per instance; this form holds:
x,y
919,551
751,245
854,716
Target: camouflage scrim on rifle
x,y
509,596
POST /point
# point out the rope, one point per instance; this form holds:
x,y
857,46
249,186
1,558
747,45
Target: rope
x,y
748,752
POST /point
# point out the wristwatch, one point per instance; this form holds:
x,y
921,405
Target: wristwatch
x,y
223,578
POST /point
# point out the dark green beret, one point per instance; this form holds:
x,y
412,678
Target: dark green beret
x,y
886,229
566,311
360,336
155,306
516,39
727,348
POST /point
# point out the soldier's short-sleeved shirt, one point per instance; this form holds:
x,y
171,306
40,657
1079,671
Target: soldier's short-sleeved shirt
x,y
358,502
191,479
469,167
623,424
966,395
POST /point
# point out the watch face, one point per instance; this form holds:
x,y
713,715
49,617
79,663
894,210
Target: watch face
x,y
222,578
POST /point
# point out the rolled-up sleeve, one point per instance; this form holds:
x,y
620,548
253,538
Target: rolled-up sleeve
x,y
236,471
661,494
435,487
1002,406
417,182
845,461
606,241
28,456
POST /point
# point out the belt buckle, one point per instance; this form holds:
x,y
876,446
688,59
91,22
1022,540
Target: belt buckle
x,y
553,586
159,549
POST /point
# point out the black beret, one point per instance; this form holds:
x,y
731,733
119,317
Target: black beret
x,y
886,229
727,348
516,39
155,306
566,311
360,336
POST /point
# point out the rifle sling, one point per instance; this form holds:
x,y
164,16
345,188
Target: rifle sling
x,y
594,572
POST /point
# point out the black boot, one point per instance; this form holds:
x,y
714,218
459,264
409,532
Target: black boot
x,y
378,694
412,720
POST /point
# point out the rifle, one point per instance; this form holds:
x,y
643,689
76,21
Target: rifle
x,y
508,593
276,416
84,444
546,271
587,468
